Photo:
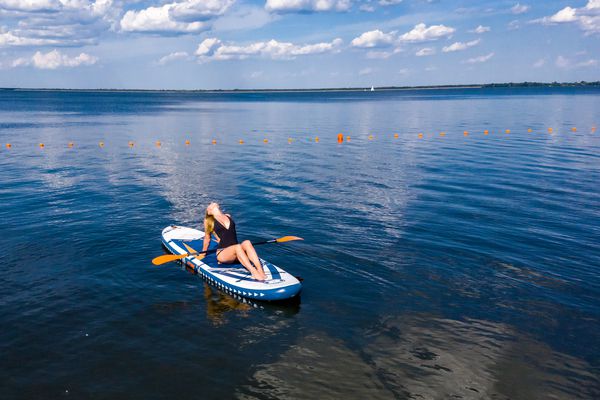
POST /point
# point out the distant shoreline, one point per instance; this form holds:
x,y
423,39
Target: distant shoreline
x,y
350,89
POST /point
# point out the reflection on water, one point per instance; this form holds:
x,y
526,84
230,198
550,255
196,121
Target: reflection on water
x,y
218,304
418,357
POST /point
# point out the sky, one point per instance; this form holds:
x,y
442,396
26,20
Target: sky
x,y
229,44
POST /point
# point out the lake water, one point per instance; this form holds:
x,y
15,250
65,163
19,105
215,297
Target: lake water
x,y
434,266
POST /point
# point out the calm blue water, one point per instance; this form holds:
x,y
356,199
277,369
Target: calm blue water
x,y
434,267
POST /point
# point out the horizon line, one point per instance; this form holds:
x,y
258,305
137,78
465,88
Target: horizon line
x,y
331,89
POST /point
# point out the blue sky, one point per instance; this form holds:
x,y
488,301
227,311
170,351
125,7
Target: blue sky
x,y
226,44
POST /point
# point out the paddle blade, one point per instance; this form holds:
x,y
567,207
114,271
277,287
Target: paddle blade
x,y
165,258
287,239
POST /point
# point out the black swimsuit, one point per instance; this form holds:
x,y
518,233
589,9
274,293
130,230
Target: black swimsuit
x,y
227,237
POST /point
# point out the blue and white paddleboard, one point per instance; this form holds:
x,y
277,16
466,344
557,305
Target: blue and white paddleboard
x,y
232,278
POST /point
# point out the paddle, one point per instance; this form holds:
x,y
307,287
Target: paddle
x,y
165,258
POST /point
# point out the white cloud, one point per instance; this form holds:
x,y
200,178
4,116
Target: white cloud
x,y
567,14
374,38
8,38
378,39
389,2
366,71
290,6
480,59
480,29
593,5
519,8
207,46
190,16
514,25
539,63
55,59
562,62
588,63
459,46
422,33
590,25
198,10
244,17
382,55
179,55
565,63
366,8
29,5
80,10
213,49
56,22
425,51
587,17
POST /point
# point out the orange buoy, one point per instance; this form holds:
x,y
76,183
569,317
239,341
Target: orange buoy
x,y
420,135
317,139
214,141
486,132
241,141
370,137
70,145
42,145
529,130
507,131
8,145
347,138
187,142
340,138
573,129
550,130
593,129
395,136
101,144
266,140
158,143
465,133
442,134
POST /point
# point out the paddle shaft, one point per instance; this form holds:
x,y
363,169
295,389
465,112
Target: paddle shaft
x,y
214,250
173,257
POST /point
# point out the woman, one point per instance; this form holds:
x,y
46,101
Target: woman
x,y
229,251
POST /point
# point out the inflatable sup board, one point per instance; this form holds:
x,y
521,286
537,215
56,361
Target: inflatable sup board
x,y
232,278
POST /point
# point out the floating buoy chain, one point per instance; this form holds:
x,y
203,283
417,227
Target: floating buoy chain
x,y
340,138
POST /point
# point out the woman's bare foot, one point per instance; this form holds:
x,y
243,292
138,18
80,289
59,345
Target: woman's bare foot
x,y
258,275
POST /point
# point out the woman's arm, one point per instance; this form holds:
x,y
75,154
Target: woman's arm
x,y
206,241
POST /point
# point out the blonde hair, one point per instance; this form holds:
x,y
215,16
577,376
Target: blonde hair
x,y
209,223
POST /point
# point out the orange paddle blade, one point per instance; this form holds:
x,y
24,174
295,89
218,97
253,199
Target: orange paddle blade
x,y
165,258
189,249
192,252
287,239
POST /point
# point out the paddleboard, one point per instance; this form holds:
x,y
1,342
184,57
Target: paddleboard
x,y
232,278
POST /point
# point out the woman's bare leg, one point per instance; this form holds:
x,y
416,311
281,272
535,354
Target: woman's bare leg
x,y
257,272
235,252
249,249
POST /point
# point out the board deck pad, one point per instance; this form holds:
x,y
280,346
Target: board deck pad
x,y
233,278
